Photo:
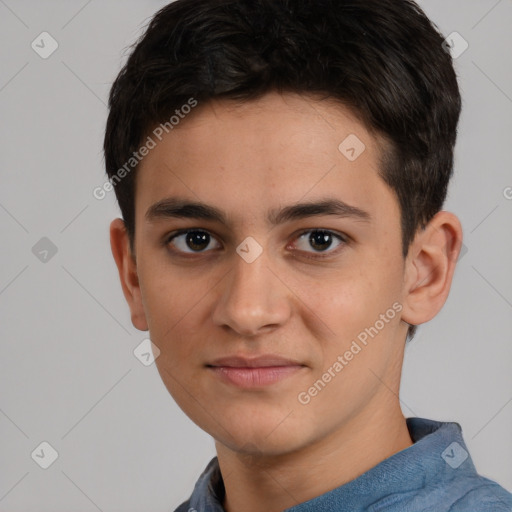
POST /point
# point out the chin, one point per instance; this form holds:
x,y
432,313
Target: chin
x,y
252,435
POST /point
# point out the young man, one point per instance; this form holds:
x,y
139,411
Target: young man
x,y
281,166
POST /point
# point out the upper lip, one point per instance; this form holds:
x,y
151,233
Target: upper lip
x,y
266,360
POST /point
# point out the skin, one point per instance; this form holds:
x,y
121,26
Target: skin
x,y
246,160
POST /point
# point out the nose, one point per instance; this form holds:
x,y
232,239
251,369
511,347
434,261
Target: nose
x,y
253,299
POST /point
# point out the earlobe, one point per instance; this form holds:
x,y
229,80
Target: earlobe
x,y
429,268
127,268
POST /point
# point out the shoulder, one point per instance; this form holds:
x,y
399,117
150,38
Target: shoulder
x,y
484,495
470,494
185,507
207,490
444,476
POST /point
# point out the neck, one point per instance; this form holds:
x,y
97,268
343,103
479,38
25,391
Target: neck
x,y
267,484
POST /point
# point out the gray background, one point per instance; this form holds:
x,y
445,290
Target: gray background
x,y
68,374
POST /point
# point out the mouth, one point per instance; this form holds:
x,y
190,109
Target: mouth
x,y
255,372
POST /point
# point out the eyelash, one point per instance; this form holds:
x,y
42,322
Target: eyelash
x,y
317,255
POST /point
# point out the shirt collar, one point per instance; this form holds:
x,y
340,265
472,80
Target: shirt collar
x,y
438,447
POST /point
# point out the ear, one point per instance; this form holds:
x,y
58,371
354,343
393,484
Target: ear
x,y
429,268
127,267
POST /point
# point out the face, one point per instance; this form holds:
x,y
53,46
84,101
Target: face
x,y
270,269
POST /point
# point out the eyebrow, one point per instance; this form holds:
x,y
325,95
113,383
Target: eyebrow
x,y
182,208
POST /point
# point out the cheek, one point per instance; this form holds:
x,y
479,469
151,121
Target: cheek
x,y
171,308
175,328
343,300
350,303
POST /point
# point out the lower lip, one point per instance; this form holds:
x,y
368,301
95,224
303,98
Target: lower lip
x,y
254,377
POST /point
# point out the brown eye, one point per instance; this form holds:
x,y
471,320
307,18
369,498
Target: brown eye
x,y
191,241
320,240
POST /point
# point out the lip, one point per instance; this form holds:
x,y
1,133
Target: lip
x,y
254,372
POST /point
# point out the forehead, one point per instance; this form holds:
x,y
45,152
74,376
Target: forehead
x,y
278,148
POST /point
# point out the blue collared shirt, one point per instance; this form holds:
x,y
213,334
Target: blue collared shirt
x,y
435,474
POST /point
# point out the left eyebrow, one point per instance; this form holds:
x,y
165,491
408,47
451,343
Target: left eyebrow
x,y
333,207
182,208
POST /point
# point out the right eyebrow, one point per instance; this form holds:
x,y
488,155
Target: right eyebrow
x,y
180,208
